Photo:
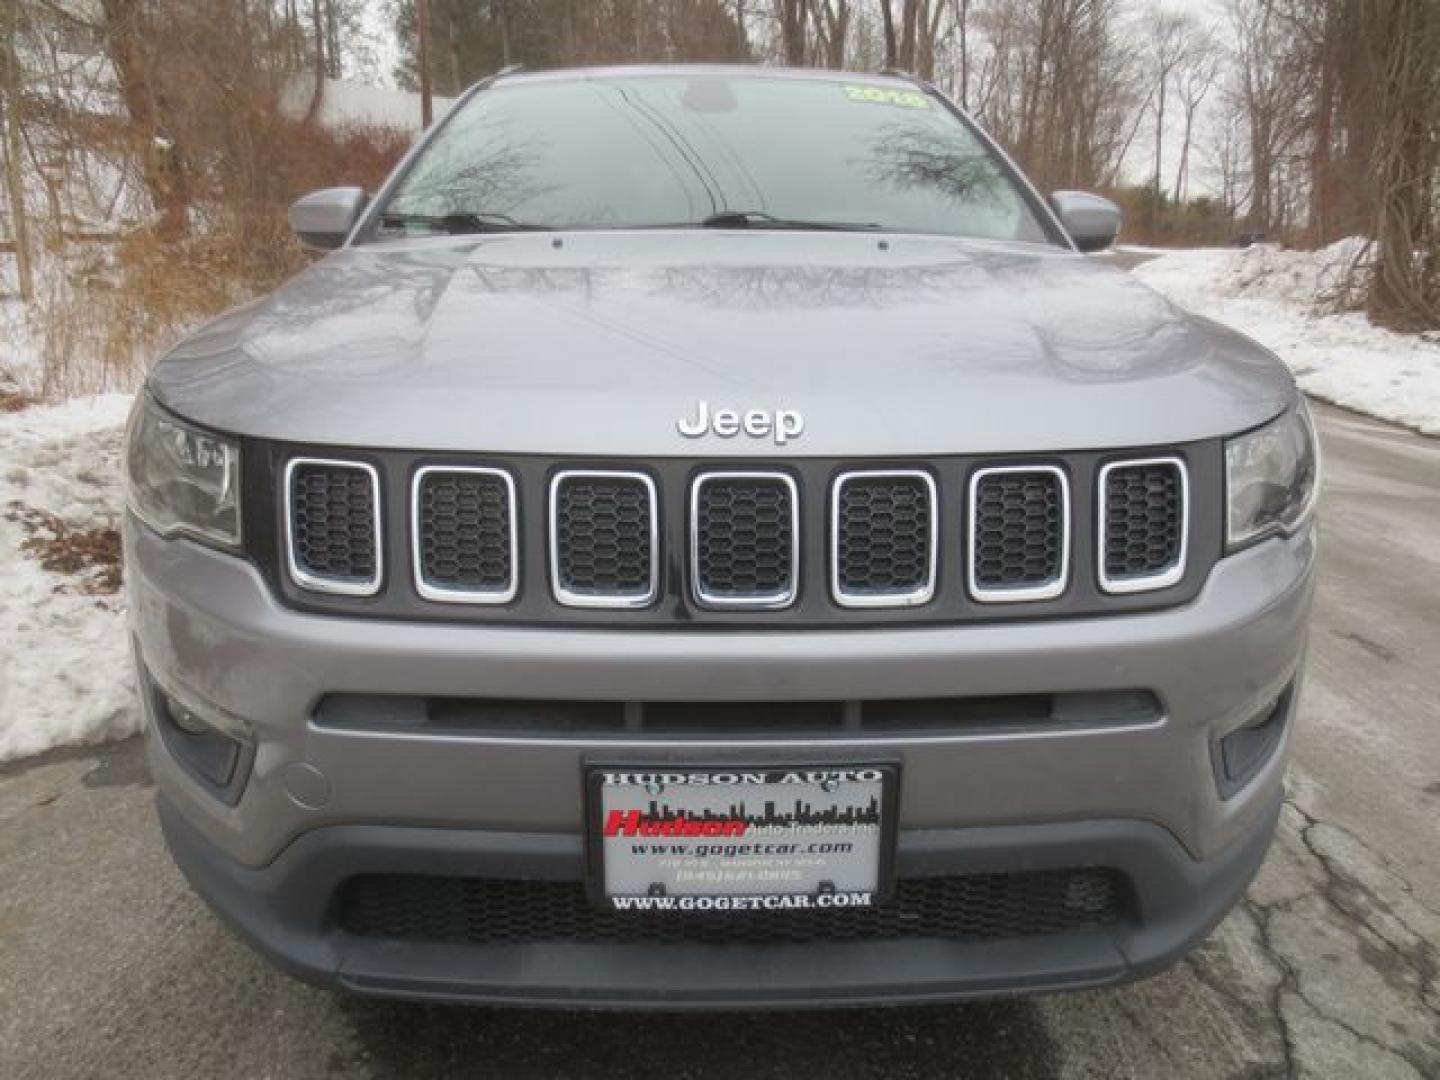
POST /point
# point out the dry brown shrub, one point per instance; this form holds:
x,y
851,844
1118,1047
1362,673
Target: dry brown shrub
x,y
92,555
117,305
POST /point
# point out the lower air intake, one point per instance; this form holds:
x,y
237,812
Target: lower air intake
x,y
488,911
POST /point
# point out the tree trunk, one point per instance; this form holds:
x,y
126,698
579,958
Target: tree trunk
x,y
14,181
161,158
888,17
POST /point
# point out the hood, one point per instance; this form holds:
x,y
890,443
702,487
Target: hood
x,y
598,343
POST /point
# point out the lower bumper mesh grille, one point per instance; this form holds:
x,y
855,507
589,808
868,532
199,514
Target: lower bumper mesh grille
x,y
487,911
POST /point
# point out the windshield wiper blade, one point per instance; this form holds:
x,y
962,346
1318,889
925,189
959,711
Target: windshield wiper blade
x,y
460,222
759,219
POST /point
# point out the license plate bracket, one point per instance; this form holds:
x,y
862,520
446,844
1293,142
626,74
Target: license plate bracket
x,y
738,839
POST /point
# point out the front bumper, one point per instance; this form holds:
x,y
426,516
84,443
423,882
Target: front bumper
x,y
323,803
283,909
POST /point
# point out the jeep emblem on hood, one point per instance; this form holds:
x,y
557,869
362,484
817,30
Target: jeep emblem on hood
x,y
782,424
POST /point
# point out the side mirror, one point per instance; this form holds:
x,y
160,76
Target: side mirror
x,y
1092,222
324,218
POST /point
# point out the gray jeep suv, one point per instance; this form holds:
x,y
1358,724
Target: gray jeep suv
x,y
709,537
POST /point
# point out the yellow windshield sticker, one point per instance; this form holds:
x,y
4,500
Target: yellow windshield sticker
x,y
887,95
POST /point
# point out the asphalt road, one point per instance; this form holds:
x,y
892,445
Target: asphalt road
x,y
110,967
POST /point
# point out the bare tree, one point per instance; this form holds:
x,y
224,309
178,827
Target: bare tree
x,y
910,44
832,29
1053,82
131,33
792,15
1271,86
1168,40
10,117
1196,78
1394,68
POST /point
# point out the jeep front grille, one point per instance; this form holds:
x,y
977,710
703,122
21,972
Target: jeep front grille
x,y
464,534
744,539
686,542
332,523
1142,533
1019,533
604,540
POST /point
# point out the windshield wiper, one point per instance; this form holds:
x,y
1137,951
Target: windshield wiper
x,y
759,219
460,222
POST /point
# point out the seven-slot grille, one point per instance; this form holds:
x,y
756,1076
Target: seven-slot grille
x,y
466,532
333,526
603,536
1143,524
742,532
883,528
744,539
1019,533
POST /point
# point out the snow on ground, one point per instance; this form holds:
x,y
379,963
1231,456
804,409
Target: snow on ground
x,y
65,675
351,104
1288,301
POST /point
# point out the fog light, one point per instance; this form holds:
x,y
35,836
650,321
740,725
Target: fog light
x,y
213,749
184,719
1242,752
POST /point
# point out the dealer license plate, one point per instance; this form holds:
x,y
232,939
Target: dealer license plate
x,y
741,839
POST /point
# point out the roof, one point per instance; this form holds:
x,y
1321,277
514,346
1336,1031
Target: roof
x,y
755,71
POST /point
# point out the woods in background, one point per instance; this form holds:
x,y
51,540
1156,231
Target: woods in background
x,y
148,156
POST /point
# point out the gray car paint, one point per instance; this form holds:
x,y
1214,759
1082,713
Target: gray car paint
x,y
209,627
595,343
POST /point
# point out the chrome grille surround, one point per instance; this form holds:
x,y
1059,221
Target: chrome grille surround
x,y
1170,574
758,601
306,579
570,598
320,504
448,594
1048,590
914,597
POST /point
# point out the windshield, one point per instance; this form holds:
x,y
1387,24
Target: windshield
x,y
650,151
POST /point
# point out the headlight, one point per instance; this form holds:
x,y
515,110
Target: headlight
x,y
182,479
1271,478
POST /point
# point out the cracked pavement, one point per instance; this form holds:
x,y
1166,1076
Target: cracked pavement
x,y
110,967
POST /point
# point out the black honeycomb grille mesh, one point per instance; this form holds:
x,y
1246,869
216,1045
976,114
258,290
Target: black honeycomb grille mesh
x,y
487,911
744,538
603,536
1019,530
882,541
464,522
332,522
1143,520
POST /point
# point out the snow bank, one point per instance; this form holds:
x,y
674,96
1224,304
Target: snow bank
x,y
346,104
1288,301
65,675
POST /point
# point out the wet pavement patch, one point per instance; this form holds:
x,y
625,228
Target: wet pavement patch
x,y
1007,1038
